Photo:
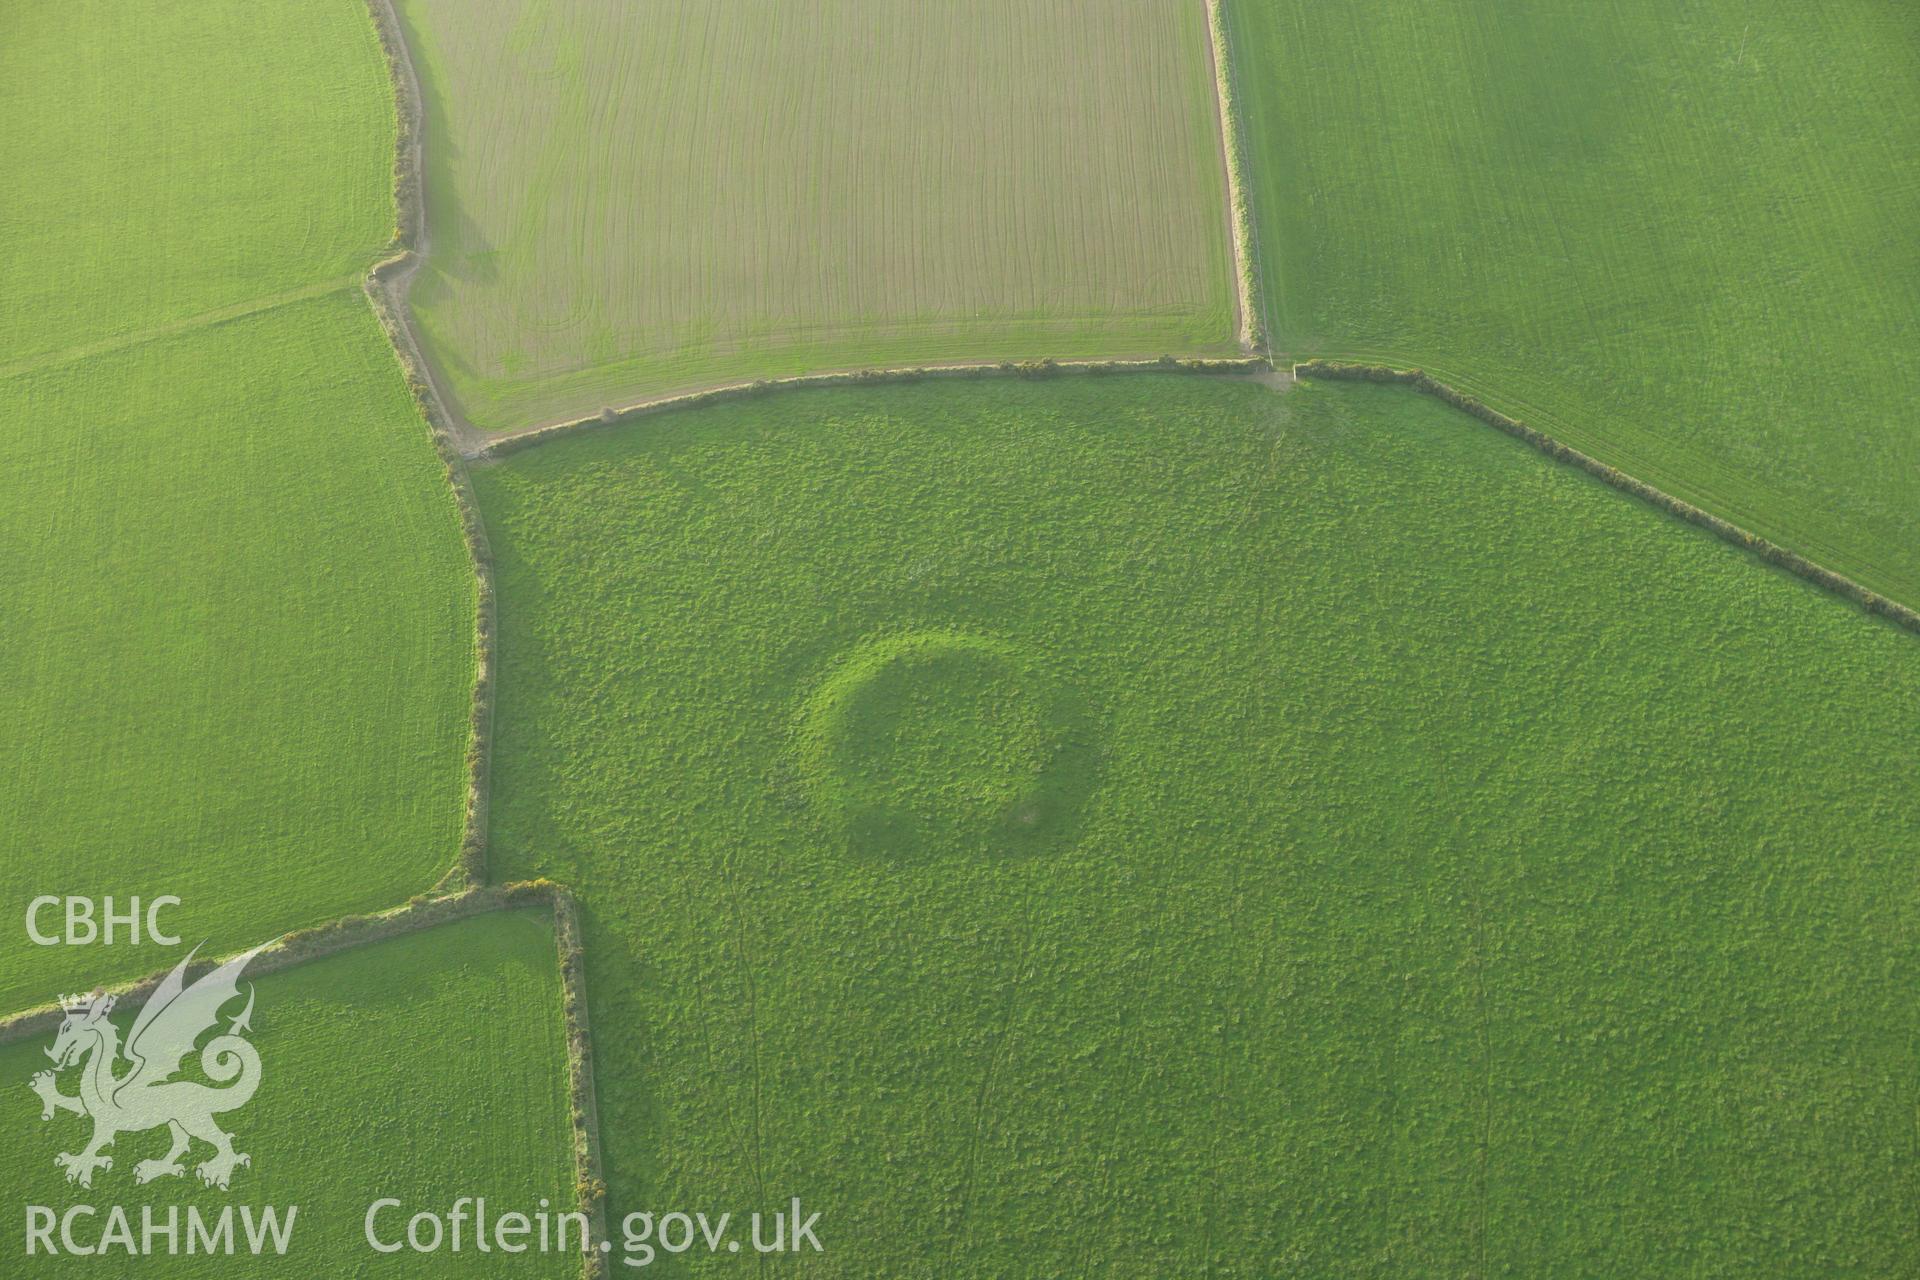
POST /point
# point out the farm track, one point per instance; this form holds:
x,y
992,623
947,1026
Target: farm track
x,y
1248,320
386,284
983,1097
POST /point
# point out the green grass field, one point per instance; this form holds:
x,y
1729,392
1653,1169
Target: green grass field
x,y
1352,844
239,615
1681,239
171,160
243,670
628,201
447,1082
1099,826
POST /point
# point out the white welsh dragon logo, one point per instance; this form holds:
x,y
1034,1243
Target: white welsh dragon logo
x,y
146,1096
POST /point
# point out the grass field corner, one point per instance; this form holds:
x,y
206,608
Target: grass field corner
x,y
1681,242
421,1068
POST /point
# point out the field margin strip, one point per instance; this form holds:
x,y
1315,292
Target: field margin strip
x,y
511,441
1770,552
1253,327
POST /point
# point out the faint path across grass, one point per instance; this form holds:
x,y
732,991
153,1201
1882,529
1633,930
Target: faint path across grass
x,y
219,315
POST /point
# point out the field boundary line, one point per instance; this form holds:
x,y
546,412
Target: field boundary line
x,y
174,328
349,933
389,282
463,891
583,1099
385,285
1770,552
1253,329
1227,69
299,946
521,438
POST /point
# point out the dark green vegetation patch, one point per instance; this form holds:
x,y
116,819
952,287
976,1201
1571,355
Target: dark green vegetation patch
x,y
1478,871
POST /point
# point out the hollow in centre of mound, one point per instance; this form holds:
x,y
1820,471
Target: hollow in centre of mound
x,y
932,742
